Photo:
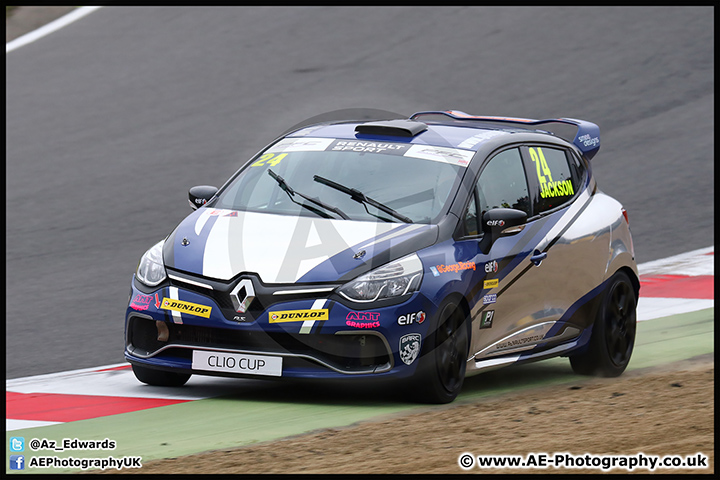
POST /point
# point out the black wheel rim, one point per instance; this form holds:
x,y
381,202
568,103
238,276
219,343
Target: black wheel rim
x,y
451,348
620,323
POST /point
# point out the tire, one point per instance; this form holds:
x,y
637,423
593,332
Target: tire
x,y
160,378
613,336
441,371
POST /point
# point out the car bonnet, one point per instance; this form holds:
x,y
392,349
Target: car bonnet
x,y
221,244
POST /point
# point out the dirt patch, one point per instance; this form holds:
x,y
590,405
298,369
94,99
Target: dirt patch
x,y
661,411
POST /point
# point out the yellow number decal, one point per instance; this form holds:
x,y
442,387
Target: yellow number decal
x,y
544,164
261,162
270,158
276,160
542,168
536,161
548,188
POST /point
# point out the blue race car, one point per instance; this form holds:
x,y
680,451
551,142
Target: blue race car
x,y
419,250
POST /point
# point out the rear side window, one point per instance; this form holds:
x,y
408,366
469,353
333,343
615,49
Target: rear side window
x,y
557,178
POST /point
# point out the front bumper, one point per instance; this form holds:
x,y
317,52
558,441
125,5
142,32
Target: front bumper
x,y
189,328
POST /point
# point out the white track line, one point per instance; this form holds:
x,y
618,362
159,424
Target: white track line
x,y
11,424
51,27
697,262
18,382
119,383
650,308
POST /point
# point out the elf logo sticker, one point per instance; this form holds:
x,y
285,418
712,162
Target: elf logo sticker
x,y
491,267
411,318
298,315
186,307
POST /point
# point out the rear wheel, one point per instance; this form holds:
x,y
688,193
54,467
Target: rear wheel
x,y
160,378
441,371
613,336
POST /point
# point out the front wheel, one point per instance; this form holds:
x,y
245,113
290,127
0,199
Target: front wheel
x,y
160,378
441,371
613,335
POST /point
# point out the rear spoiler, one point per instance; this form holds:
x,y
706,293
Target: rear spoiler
x,y
587,138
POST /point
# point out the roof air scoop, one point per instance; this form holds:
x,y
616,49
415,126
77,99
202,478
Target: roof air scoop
x,y
396,128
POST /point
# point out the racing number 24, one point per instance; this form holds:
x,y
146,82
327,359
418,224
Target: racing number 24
x,y
541,164
270,158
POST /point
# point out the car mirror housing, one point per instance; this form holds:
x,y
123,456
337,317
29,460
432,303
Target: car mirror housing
x,y
200,194
499,222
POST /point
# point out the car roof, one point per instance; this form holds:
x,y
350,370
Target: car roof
x,y
451,136
452,129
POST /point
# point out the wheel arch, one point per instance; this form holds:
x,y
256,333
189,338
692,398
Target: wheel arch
x,y
462,303
596,301
633,278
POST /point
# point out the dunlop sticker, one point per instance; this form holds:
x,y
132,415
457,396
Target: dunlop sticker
x,y
491,283
298,315
186,307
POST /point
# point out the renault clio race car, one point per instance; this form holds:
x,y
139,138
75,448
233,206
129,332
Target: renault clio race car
x,y
420,250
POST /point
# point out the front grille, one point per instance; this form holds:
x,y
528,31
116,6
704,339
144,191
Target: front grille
x,y
352,352
221,296
264,295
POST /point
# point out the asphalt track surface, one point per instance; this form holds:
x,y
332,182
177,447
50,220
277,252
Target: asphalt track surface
x,y
111,119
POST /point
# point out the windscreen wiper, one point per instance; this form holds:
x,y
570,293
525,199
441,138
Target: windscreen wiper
x,y
360,197
291,193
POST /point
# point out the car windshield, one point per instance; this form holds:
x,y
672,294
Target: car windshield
x,y
378,181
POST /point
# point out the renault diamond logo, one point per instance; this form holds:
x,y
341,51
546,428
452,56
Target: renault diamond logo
x,y
242,295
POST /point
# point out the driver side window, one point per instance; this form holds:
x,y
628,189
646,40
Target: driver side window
x,y
503,184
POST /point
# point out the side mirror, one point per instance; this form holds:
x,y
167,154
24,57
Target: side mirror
x,y
500,222
199,195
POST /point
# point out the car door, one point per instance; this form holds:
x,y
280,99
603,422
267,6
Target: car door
x,y
573,244
523,292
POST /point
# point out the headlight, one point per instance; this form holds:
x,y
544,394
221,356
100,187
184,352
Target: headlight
x,y
392,280
151,270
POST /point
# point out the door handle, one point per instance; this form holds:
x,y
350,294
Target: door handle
x,y
538,257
